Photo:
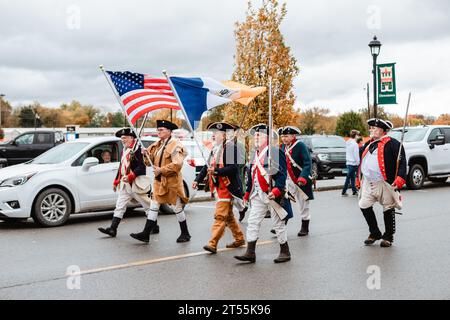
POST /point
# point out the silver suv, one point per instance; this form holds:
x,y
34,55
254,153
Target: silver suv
x,y
427,153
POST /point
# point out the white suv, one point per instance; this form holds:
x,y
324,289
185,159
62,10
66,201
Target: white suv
x,y
68,179
427,153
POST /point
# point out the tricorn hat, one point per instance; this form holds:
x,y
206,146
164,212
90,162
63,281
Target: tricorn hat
x,y
386,125
289,130
221,126
125,132
166,124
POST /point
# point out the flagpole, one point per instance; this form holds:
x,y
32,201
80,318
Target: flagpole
x,y
123,109
185,115
270,125
403,135
141,129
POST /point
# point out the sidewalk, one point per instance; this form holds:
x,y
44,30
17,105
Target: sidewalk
x,y
322,185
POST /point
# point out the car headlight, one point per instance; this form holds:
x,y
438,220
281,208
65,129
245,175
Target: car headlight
x,y
17,180
323,156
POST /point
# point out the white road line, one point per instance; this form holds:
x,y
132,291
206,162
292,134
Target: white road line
x,y
152,261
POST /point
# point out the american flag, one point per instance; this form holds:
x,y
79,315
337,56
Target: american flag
x,y
142,93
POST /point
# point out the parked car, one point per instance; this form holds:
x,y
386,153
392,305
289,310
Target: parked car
x,y
427,151
29,145
65,180
328,155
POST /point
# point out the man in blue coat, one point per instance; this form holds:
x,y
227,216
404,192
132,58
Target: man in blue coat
x,y
225,183
299,184
265,185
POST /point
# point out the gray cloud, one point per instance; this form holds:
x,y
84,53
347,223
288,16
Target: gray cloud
x,y
42,58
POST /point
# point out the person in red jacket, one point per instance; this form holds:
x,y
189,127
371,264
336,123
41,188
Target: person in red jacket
x,y
380,176
131,166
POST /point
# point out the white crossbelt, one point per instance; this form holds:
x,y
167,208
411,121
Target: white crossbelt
x,y
258,164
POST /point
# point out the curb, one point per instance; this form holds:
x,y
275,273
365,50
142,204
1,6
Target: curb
x,y
321,189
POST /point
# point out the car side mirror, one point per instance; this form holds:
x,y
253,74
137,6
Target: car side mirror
x,y
88,163
440,140
13,143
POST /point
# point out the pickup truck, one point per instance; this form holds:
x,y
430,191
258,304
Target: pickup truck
x,y
427,151
28,145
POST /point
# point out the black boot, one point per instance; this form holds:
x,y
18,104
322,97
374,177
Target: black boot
x,y
285,254
249,255
242,214
155,229
304,229
111,231
375,233
389,224
184,236
144,236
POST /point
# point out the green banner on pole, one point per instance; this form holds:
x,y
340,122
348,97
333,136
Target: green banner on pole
x,y
387,91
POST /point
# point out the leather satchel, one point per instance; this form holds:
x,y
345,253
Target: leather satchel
x,y
141,185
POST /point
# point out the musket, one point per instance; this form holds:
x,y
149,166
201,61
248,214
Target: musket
x,y
403,135
401,141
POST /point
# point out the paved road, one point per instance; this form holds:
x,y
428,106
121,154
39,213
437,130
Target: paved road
x,y
331,263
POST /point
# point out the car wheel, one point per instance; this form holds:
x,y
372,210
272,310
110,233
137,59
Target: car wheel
x,y
438,180
416,177
52,208
315,171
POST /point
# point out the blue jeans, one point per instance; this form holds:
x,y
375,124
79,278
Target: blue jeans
x,y
351,175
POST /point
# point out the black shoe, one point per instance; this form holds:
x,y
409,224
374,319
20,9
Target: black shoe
x,y
144,236
242,214
344,194
355,193
371,239
273,231
112,230
249,255
184,236
285,254
210,249
304,231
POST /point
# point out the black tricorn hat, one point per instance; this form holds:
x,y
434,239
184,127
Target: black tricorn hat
x,y
166,124
125,132
289,130
386,125
261,127
221,126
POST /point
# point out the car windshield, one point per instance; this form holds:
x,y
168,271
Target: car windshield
x,y
60,153
327,142
411,134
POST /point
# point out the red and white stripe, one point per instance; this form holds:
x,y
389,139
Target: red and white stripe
x,y
156,94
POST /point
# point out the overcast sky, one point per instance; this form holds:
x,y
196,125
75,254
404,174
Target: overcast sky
x,y
50,50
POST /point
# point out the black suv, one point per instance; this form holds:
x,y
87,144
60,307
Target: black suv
x,y
28,146
328,155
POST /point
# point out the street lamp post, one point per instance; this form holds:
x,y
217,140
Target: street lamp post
x,y
1,102
375,47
